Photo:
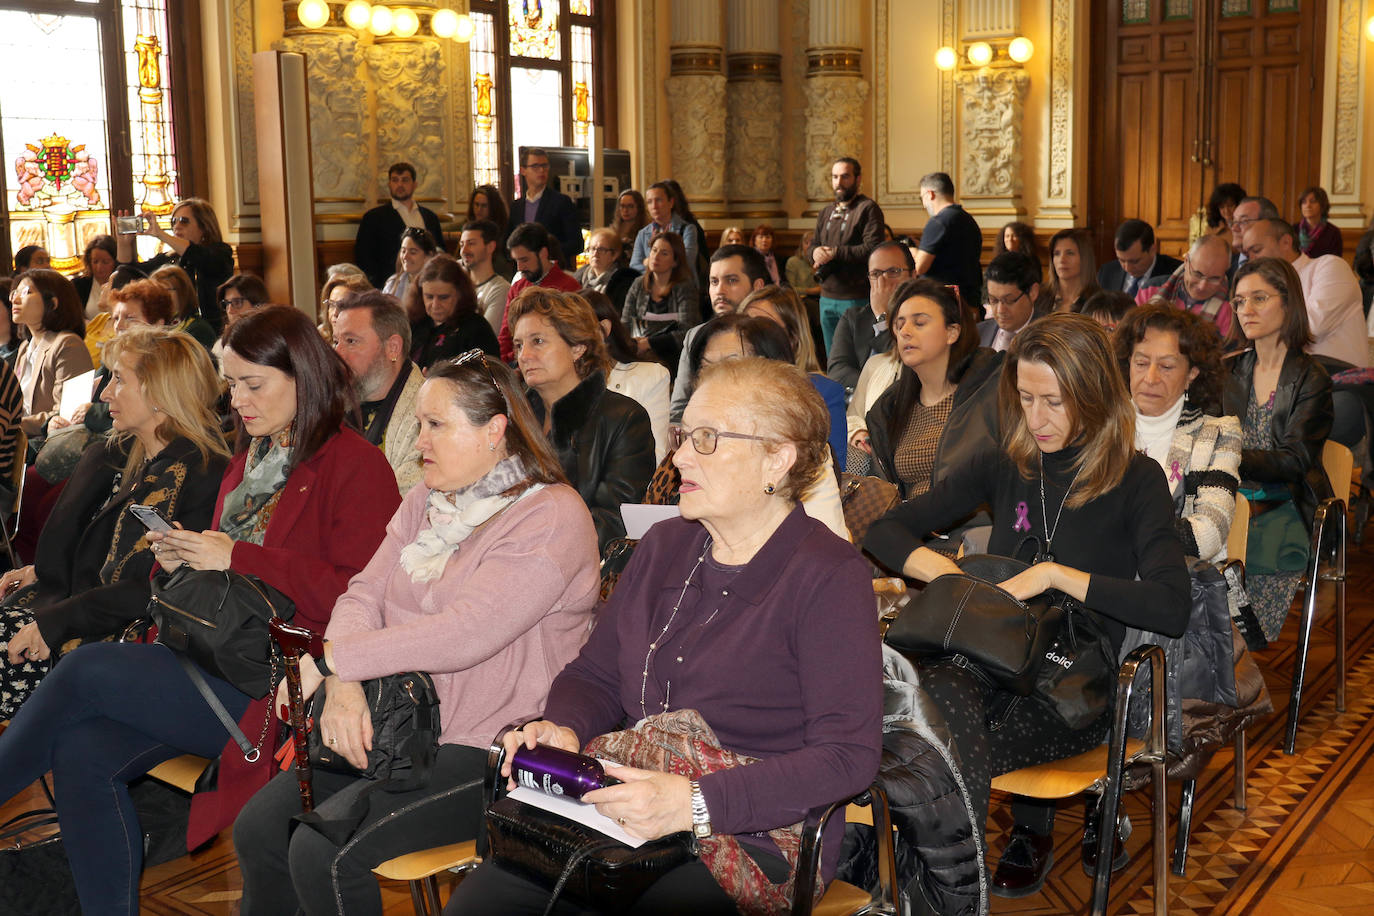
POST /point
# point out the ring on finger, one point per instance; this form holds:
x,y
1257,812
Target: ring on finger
x,y
620,821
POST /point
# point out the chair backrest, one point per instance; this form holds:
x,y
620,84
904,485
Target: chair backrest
x,y
1239,537
1339,465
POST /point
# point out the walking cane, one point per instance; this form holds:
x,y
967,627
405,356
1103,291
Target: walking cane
x,y
294,642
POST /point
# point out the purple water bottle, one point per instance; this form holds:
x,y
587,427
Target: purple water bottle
x,y
558,772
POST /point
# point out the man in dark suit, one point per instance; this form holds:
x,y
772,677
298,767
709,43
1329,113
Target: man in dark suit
x,y
1137,259
1013,281
379,233
546,206
864,329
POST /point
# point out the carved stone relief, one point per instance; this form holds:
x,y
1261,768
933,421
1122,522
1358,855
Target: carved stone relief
x,y
834,127
410,78
795,62
754,126
1061,96
246,133
648,115
337,112
1344,172
994,102
697,111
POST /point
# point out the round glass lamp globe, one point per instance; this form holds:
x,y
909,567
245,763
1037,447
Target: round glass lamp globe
x,y
444,23
946,58
312,13
381,21
1020,50
980,53
357,14
405,23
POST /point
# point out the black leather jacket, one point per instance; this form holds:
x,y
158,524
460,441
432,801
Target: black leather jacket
x,y
972,426
606,447
1302,421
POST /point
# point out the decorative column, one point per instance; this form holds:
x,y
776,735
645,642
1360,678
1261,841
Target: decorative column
x,y
1346,106
990,180
753,121
1057,202
835,94
340,159
411,82
697,106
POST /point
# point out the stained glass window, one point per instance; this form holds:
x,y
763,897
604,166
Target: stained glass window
x,y
580,7
54,125
1283,6
1135,11
582,84
1235,7
1178,9
534,29
486,147
150,105
538,97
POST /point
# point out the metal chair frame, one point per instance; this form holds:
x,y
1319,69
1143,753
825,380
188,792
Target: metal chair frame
x,y
884,902
10,528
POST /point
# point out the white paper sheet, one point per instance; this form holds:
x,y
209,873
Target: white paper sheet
x,y
76,392
575,810
639,517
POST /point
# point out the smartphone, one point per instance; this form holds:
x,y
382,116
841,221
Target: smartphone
x,y
129,225
150,517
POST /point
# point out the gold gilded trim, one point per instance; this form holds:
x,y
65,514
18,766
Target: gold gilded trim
x,y
833,60
751,65
695,60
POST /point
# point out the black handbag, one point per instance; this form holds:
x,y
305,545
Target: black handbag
x,y
969,618
405,742
218,619
34,874
1077,678
579,862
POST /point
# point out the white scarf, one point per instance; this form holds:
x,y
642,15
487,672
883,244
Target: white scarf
x,y
1155,435
454,516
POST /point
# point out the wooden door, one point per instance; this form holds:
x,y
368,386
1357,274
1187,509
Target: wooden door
x,y
1189,93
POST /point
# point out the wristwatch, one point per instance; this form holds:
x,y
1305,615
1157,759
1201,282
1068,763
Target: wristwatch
x,y
321,664
701,818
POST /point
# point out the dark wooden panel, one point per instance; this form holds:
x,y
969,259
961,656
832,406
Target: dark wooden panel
x,y
1178,48
1277,136
1137,95
1233,44
1137,49
1231,145
1178,191
1281,39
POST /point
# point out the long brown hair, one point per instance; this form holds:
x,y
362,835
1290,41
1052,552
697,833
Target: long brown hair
x,y
1101,416
572,317
484,387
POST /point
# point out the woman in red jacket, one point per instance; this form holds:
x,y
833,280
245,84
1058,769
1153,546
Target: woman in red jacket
x,y
303,506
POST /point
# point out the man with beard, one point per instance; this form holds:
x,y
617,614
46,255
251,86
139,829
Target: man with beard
x,y
847,231
529,249
379,233
372,337
951,242
476,248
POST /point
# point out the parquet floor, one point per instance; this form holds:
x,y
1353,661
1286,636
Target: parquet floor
x,y
1305,844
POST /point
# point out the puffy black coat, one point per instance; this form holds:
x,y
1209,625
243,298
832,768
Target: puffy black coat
x,y
606,446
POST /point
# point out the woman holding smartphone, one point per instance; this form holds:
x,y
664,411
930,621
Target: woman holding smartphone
x,y
91,569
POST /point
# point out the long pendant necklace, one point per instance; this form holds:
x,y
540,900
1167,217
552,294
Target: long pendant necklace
x,y
1047,556
653,646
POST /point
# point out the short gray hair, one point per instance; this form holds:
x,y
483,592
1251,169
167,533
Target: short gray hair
x,y
388,318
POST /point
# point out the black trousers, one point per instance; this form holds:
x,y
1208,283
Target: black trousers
x,y
327,879
992,739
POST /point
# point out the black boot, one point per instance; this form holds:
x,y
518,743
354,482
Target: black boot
x,y
1024,865
1091,821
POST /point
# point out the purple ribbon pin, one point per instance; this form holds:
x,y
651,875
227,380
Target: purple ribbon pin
x,y
1174,473
1022,517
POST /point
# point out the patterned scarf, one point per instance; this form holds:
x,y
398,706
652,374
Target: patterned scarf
x,y
249,506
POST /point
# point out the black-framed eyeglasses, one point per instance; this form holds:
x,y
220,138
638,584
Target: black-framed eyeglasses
x,y
705,438
601,249
890,273
237,302
480,357
994,302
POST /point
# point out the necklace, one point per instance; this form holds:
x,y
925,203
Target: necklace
x,y
1047,556
653,646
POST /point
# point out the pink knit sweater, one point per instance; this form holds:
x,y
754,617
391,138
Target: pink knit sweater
x,y
512,607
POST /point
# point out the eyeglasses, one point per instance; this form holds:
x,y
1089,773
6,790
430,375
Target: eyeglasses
x,y
995,303
1241,222
238,302
1258,300
181,221
480,357
1197,276
890,273
537,165
704,438
601,249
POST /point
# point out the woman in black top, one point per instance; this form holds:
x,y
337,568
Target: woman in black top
x,y
1068,475
453,323
197,247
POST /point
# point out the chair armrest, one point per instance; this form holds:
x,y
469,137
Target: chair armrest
x,y
809,858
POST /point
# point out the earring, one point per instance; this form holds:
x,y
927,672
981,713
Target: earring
x,y
491,446
768,488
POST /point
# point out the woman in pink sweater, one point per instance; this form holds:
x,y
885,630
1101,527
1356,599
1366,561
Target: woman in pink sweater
x,y
486,580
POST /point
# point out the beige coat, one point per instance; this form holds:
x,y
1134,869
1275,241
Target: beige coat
x,y
401,432
57,357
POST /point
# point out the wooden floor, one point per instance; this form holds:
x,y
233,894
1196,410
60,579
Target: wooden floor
x,y
1305,844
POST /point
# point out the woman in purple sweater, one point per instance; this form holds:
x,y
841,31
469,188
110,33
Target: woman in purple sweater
x,y
746,611
437,597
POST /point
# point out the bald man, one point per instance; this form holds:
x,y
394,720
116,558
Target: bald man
x,y
1335,310
1198,284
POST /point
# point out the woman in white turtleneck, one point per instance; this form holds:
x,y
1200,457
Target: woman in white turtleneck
x,y
1172,362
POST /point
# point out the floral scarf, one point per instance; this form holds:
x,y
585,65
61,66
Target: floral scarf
x,y
249,506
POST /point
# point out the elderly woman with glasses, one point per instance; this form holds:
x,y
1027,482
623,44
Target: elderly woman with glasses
x,y
748,568
494,509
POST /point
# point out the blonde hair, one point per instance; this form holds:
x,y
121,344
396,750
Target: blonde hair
x,y
1101,416
795,321
783,404
187,303
178,381
574,320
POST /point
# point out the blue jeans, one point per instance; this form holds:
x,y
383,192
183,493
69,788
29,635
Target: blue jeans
x,y
831,310
108,713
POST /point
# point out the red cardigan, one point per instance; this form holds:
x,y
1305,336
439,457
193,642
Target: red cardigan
x,y
330,520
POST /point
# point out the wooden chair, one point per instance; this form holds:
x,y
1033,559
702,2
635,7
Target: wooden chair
x,y
9,527
421,870
180,772
1105,767
1328,534
843,899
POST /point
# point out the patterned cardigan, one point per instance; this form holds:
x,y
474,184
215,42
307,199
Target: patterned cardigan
x,y
1205,456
